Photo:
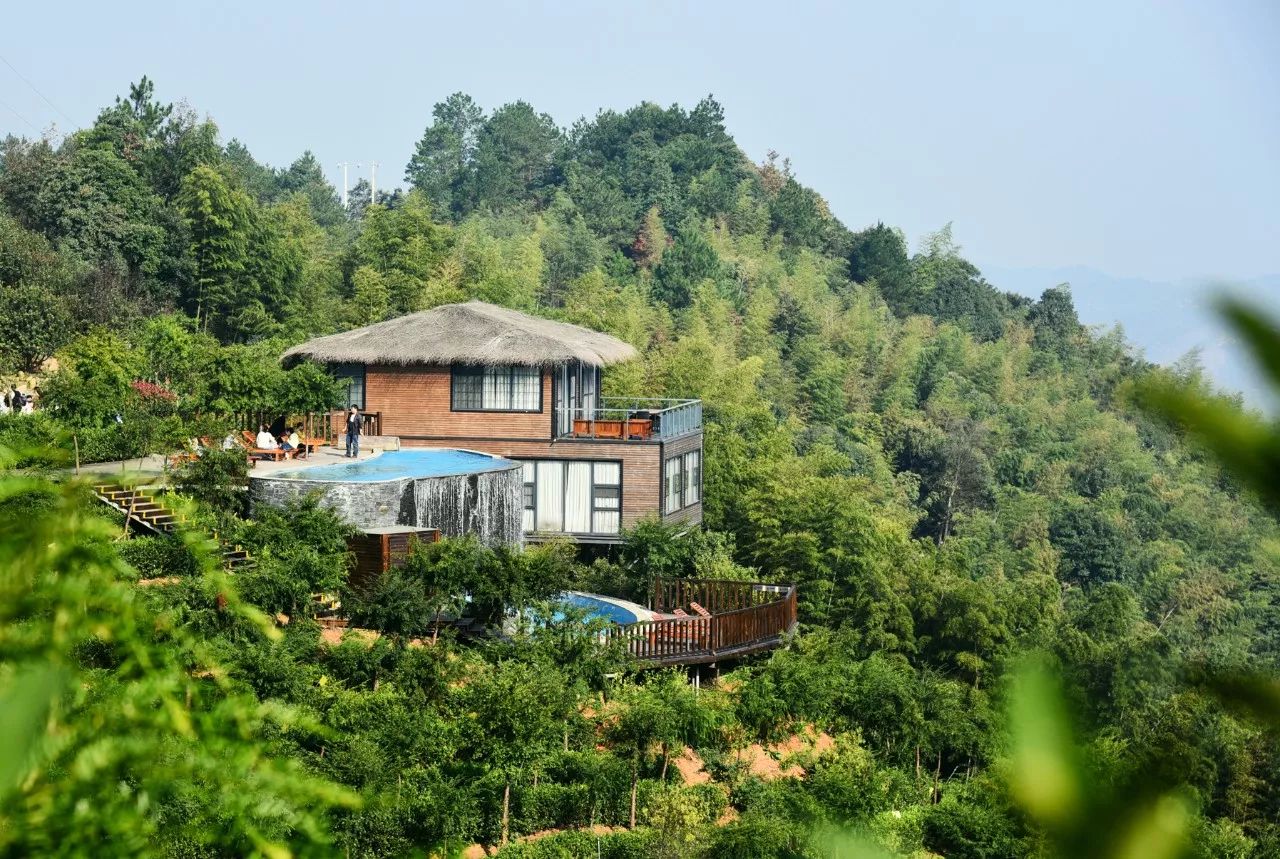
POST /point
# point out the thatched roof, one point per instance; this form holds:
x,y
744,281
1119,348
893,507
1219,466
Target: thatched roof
x,y
471,333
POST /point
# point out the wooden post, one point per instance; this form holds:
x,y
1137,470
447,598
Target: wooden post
x,y
75,439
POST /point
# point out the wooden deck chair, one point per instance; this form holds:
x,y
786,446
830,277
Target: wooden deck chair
x,y
680,613
251,447
702,612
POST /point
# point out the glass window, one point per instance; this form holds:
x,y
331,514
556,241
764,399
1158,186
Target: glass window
x,y
577,498
468,387
526,389
573,496
352,376
530,496
693,477
497,389
673,478
550,497
682,477
607,497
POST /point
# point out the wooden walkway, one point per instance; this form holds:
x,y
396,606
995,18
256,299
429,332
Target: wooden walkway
x,y
722,620
141,509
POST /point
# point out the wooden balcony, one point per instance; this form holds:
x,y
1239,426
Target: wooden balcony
x,y
635,419
738,619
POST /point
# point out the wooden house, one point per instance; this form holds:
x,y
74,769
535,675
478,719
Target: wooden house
x,y
491,379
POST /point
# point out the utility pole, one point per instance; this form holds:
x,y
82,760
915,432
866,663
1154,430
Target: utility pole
x,y
344,165
373,182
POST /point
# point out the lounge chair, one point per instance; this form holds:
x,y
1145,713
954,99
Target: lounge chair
x,y
702,612
251,447
195,447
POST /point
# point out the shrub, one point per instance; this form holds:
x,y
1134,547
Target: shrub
x,y
217,478
34,439
153,557
581,845
551,806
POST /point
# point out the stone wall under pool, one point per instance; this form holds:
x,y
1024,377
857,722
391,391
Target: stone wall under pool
x,y
488,504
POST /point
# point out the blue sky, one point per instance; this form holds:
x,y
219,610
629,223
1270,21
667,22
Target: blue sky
x,y
1136,138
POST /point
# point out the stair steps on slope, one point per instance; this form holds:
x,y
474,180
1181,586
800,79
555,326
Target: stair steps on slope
x,y
138,506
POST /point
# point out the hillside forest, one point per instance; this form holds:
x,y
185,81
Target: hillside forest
x,y
1030,603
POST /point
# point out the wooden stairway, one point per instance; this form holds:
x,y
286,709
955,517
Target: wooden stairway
x,y
142,509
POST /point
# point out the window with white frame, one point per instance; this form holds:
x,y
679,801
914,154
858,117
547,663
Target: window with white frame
x,y
572,496
508,388
682,481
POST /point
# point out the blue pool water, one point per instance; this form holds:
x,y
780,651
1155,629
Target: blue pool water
x,y
396,464
600,608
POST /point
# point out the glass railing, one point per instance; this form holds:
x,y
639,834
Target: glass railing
x,y
635,419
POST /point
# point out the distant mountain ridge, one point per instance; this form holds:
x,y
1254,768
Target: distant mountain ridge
x,y
1165,319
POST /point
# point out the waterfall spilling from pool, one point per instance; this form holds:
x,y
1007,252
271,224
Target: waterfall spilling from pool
x,y
489,505
457,491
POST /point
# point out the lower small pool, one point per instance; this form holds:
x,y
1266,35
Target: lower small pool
x,y
613,610
399,464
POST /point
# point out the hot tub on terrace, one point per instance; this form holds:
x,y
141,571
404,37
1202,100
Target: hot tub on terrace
x,y
456,491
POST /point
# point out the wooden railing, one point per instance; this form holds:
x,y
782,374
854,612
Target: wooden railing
x,y
745,617
334,425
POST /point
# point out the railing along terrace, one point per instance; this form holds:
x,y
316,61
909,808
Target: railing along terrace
x,y
334,424
636,418
740,618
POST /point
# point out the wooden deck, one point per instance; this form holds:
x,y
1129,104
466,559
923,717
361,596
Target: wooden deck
x,y
741,618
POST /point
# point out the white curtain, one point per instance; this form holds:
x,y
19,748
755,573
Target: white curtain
x,y
577,499
497,387
525,395
608,473
550,496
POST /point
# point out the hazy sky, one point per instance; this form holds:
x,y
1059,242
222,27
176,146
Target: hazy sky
x,y
1138,138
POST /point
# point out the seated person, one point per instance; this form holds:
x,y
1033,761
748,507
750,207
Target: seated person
x,y
265,440
293,441
230,443
286,439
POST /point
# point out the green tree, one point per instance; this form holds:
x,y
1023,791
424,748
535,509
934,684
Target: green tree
x,y
510,704
444,156
119,733
515,151
34,324
217,216
686,264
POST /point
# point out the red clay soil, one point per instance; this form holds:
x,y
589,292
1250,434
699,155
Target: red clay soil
x,y
768,763
689,765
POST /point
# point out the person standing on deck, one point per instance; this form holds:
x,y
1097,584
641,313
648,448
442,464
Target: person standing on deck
x,y
354,423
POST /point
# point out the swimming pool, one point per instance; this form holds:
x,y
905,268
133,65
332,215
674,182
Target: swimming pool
x,y
613,610
400,464
458,492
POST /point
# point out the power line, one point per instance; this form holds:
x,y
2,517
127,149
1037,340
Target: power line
x,y
37,92
20,116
